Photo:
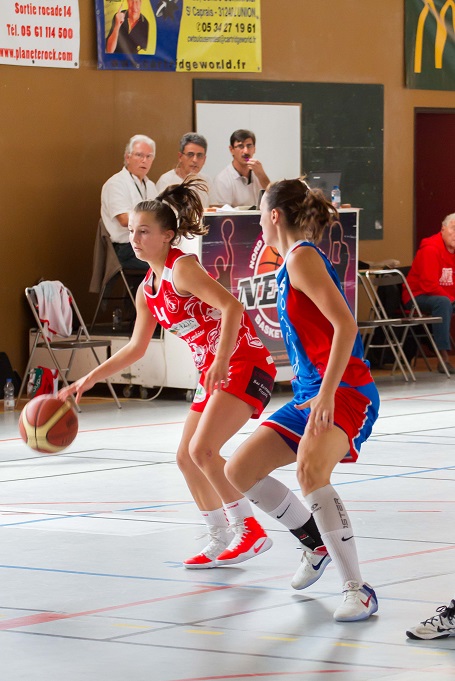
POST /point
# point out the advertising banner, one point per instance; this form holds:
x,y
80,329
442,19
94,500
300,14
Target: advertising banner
x,y
430,44
40,33
234,253
199,36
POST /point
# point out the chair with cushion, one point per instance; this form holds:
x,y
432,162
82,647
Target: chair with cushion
x,y
61,327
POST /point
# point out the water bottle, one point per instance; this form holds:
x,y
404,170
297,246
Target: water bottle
x,y
8,395
116,319
336,196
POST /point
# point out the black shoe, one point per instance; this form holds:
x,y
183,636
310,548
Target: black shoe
x,y
450,368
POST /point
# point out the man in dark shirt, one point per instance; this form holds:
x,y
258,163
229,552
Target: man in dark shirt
x,y
129,31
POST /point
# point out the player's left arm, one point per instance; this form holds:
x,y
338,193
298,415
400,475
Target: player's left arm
x,y
308,274
190,277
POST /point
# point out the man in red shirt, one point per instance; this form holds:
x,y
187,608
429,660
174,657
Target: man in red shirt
x,y
432,281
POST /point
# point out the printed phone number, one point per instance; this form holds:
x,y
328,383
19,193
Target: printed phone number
x,y
215,27
40,31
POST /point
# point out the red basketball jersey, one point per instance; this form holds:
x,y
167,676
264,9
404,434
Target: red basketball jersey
x,y
194,321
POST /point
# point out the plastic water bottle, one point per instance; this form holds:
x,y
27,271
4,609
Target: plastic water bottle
x,y
336,196
8,395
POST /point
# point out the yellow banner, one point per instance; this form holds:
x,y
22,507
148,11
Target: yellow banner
x,y
220,36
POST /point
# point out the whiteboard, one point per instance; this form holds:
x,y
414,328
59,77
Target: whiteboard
x,y
277,128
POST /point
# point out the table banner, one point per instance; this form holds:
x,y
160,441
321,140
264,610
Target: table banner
x,y
201,36
40,33
234,253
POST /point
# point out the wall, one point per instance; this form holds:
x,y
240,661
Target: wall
x,y
63,134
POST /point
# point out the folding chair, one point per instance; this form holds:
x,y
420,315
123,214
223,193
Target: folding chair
x,y
106,267
79,340
388,338
383,283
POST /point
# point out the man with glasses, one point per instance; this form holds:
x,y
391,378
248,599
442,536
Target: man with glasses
x,y
432,281
192,156
241,181
122,192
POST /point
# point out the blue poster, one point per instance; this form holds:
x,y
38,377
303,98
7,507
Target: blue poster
x,y
179,35
138,34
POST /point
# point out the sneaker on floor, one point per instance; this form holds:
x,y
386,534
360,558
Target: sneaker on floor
x,y
220,537
440,625
311,567
450,368
358,604
249,540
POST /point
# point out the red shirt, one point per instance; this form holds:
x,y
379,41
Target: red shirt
x,y
194,321
433,270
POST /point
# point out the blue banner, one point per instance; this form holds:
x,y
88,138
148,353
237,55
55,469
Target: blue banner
x,y
179,35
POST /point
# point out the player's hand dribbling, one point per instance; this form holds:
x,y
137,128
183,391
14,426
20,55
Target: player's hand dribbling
x,y
78,387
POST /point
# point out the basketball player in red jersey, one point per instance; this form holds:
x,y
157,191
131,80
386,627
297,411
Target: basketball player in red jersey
x,y
237,371
335,400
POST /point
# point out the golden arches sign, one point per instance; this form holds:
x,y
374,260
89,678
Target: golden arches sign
x,y
441,32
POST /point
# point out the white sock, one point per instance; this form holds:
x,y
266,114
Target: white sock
x,y
335,527
271,496
216,517
239,509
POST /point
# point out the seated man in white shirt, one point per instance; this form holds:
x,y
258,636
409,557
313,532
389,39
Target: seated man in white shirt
x,y
192,156
241,181
122,192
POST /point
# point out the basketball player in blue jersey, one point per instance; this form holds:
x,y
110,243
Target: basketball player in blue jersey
x,y
335,399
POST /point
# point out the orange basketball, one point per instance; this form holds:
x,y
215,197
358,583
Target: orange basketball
x,y
269,260
47,424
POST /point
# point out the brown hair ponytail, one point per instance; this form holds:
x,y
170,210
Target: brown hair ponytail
x,y
305,210
179,208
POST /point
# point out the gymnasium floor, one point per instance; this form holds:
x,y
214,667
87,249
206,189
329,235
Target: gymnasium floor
x,y
92,587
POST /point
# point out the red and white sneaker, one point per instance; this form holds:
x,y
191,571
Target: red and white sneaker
x,y
219,539
249,540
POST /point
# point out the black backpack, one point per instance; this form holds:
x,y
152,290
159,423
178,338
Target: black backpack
x,y
7,371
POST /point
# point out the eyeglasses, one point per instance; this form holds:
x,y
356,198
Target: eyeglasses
x,y
193,154
244,146
146,157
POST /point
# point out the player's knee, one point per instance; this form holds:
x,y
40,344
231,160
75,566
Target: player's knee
x,y
200,454
309,475
233,473
183,458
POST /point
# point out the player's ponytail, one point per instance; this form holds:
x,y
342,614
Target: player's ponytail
x,y
306,211
179,209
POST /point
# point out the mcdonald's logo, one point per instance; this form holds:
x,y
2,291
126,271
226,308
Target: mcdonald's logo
x,y
441,32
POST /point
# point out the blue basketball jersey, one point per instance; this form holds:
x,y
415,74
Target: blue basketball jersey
x,y
308,334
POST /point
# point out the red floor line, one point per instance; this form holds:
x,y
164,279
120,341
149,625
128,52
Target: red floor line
x,y
415,397
262,675
41,618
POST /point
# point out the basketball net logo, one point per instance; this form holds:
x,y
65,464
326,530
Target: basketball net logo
x,y
259,292
441,32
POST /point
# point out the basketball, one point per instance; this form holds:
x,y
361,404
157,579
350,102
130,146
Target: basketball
x,y
48,425
269,260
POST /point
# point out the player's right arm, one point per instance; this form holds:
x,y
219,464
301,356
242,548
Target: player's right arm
x,y
136,348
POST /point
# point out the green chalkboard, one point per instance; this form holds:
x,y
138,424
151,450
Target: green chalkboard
x,y
342,130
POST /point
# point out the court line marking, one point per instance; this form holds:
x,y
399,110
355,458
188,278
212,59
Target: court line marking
x,y
42,618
